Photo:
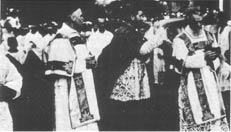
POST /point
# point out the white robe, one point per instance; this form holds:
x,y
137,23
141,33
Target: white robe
x,y
63,111
47,38
154,40
20,56
98,41
22,43
82,53
67,111
224,39
9,77
14,22
197,61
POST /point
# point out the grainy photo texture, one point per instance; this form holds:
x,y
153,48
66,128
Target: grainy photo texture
x,y
115,65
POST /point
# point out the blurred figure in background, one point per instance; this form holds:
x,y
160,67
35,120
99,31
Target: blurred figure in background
x,y
170,84
99,39
224,41
14,52
51,30
223,33
13,18
21,40
7,31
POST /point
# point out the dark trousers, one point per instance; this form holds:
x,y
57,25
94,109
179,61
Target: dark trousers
x,y
128,116
166,102
33,110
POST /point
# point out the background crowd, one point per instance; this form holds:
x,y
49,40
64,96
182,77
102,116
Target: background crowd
x,y
117,66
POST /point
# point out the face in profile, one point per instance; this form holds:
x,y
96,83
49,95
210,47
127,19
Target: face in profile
x,y
101,25
78,17
141,16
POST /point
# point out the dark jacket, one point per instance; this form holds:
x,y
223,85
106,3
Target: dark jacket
x,y
117,56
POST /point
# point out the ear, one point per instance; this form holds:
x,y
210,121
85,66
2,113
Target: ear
x,y
72,17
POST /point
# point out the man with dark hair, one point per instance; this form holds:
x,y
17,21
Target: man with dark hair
x,y
123,75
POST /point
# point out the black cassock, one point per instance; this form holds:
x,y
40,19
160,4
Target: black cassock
x,y
33,109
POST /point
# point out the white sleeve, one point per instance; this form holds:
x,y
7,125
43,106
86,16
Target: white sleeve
x,y
180,51
14,80
149,45
82,53
91,43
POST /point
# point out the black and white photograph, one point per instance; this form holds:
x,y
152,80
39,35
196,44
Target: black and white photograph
x,y
115,65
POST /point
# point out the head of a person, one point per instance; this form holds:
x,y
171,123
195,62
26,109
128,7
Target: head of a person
x,y
140,16
77,18
142,27
13,12
171,32
194,16
34,29
95,27
24,31
42,30
13,44
137,15
130,13
221,19
101,24
209,19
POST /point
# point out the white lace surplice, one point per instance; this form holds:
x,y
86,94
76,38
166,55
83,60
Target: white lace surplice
x,y
132,84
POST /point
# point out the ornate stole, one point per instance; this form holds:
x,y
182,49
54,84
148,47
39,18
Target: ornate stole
x,y
82,98
202,97
142,74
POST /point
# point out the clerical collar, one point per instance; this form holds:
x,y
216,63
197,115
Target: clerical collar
x,y
189,31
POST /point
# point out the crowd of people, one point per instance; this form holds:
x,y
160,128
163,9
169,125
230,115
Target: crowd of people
x,y
107,74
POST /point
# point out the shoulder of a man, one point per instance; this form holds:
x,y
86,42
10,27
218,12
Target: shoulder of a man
x,y
181,38
124,29
109,33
